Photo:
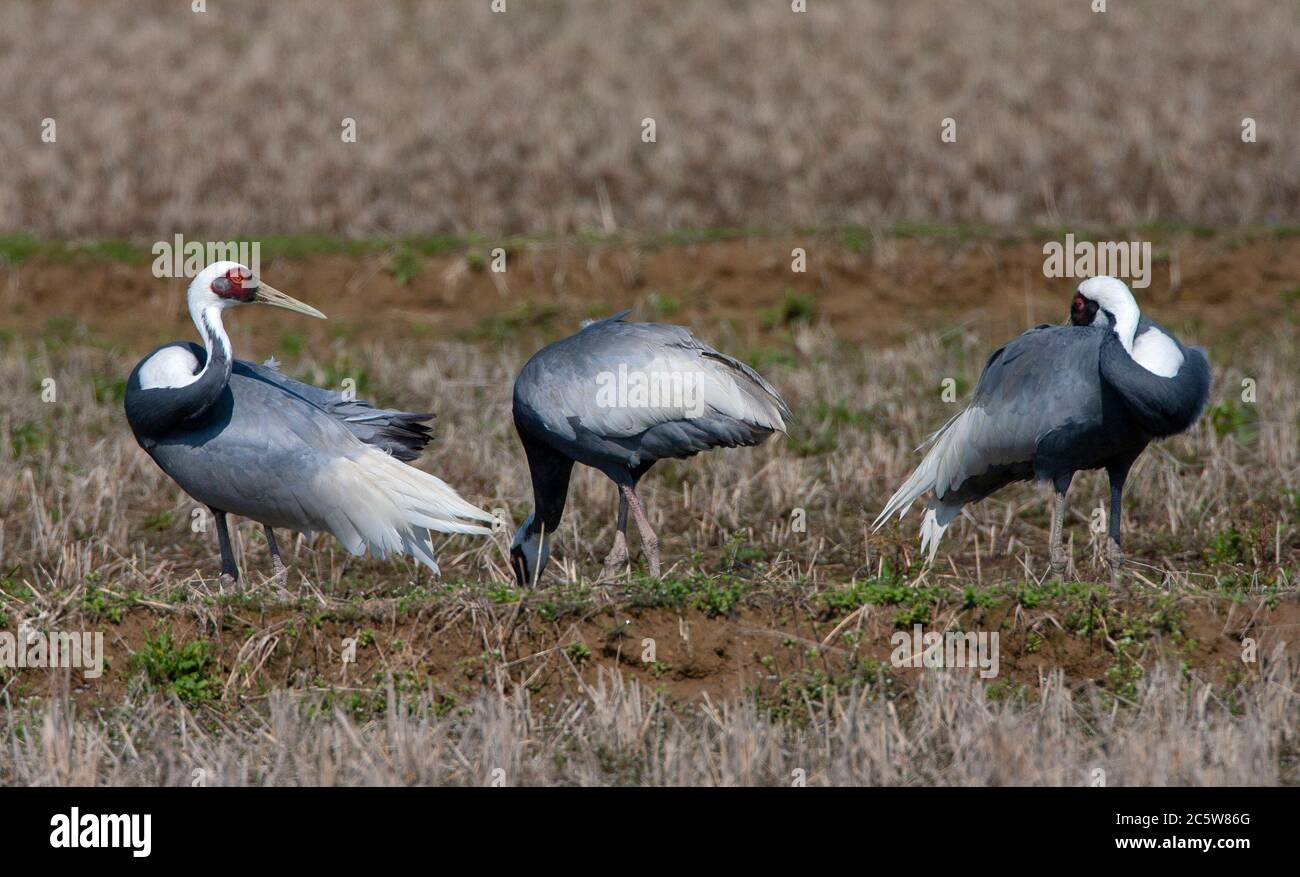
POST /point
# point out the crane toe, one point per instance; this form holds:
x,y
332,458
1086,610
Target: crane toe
x,y
616,560
1114,558
650,548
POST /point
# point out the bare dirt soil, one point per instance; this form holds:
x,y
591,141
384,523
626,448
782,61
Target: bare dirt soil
x,y
771,647
869,288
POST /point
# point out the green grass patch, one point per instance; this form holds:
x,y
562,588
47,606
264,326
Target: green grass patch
x,y
187,671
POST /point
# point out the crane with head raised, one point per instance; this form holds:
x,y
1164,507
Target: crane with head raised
x,y
244,439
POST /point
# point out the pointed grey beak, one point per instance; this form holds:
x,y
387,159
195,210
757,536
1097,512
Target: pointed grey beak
x,y
269,295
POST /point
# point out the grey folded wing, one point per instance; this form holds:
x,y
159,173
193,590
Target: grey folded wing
x,y
401,433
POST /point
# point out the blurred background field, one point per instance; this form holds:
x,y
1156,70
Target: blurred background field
x,y
228,122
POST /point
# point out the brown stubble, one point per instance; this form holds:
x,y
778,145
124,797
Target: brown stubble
x,y
84,512
518,122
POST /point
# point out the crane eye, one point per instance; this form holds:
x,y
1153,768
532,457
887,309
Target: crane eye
x,y
1078,303
221,286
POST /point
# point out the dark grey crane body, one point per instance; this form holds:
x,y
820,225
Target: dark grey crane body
x,y
286,426
245,439
561,420
1059,400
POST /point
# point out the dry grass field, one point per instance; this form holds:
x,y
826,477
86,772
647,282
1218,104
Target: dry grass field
x,y
229,122
764,653
772,644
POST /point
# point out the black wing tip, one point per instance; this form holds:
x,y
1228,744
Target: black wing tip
x,y
405,445
404,434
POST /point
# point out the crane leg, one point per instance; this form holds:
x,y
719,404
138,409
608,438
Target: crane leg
x,y
618,554
228,567
277,564
1058,557
649,541
1114,553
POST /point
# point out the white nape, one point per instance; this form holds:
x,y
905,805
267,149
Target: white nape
x,y
169,368
1157,353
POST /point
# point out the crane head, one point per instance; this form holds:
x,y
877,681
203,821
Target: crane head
x,y
1102,301
529,553
228,284
1083,310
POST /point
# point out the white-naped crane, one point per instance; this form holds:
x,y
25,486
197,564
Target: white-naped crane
x,y
1058,400
619,396
244,439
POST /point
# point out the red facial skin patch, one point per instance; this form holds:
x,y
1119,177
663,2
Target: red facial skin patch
x,y
234,284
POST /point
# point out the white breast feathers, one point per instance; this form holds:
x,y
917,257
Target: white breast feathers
x,y
169,367
1157,353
